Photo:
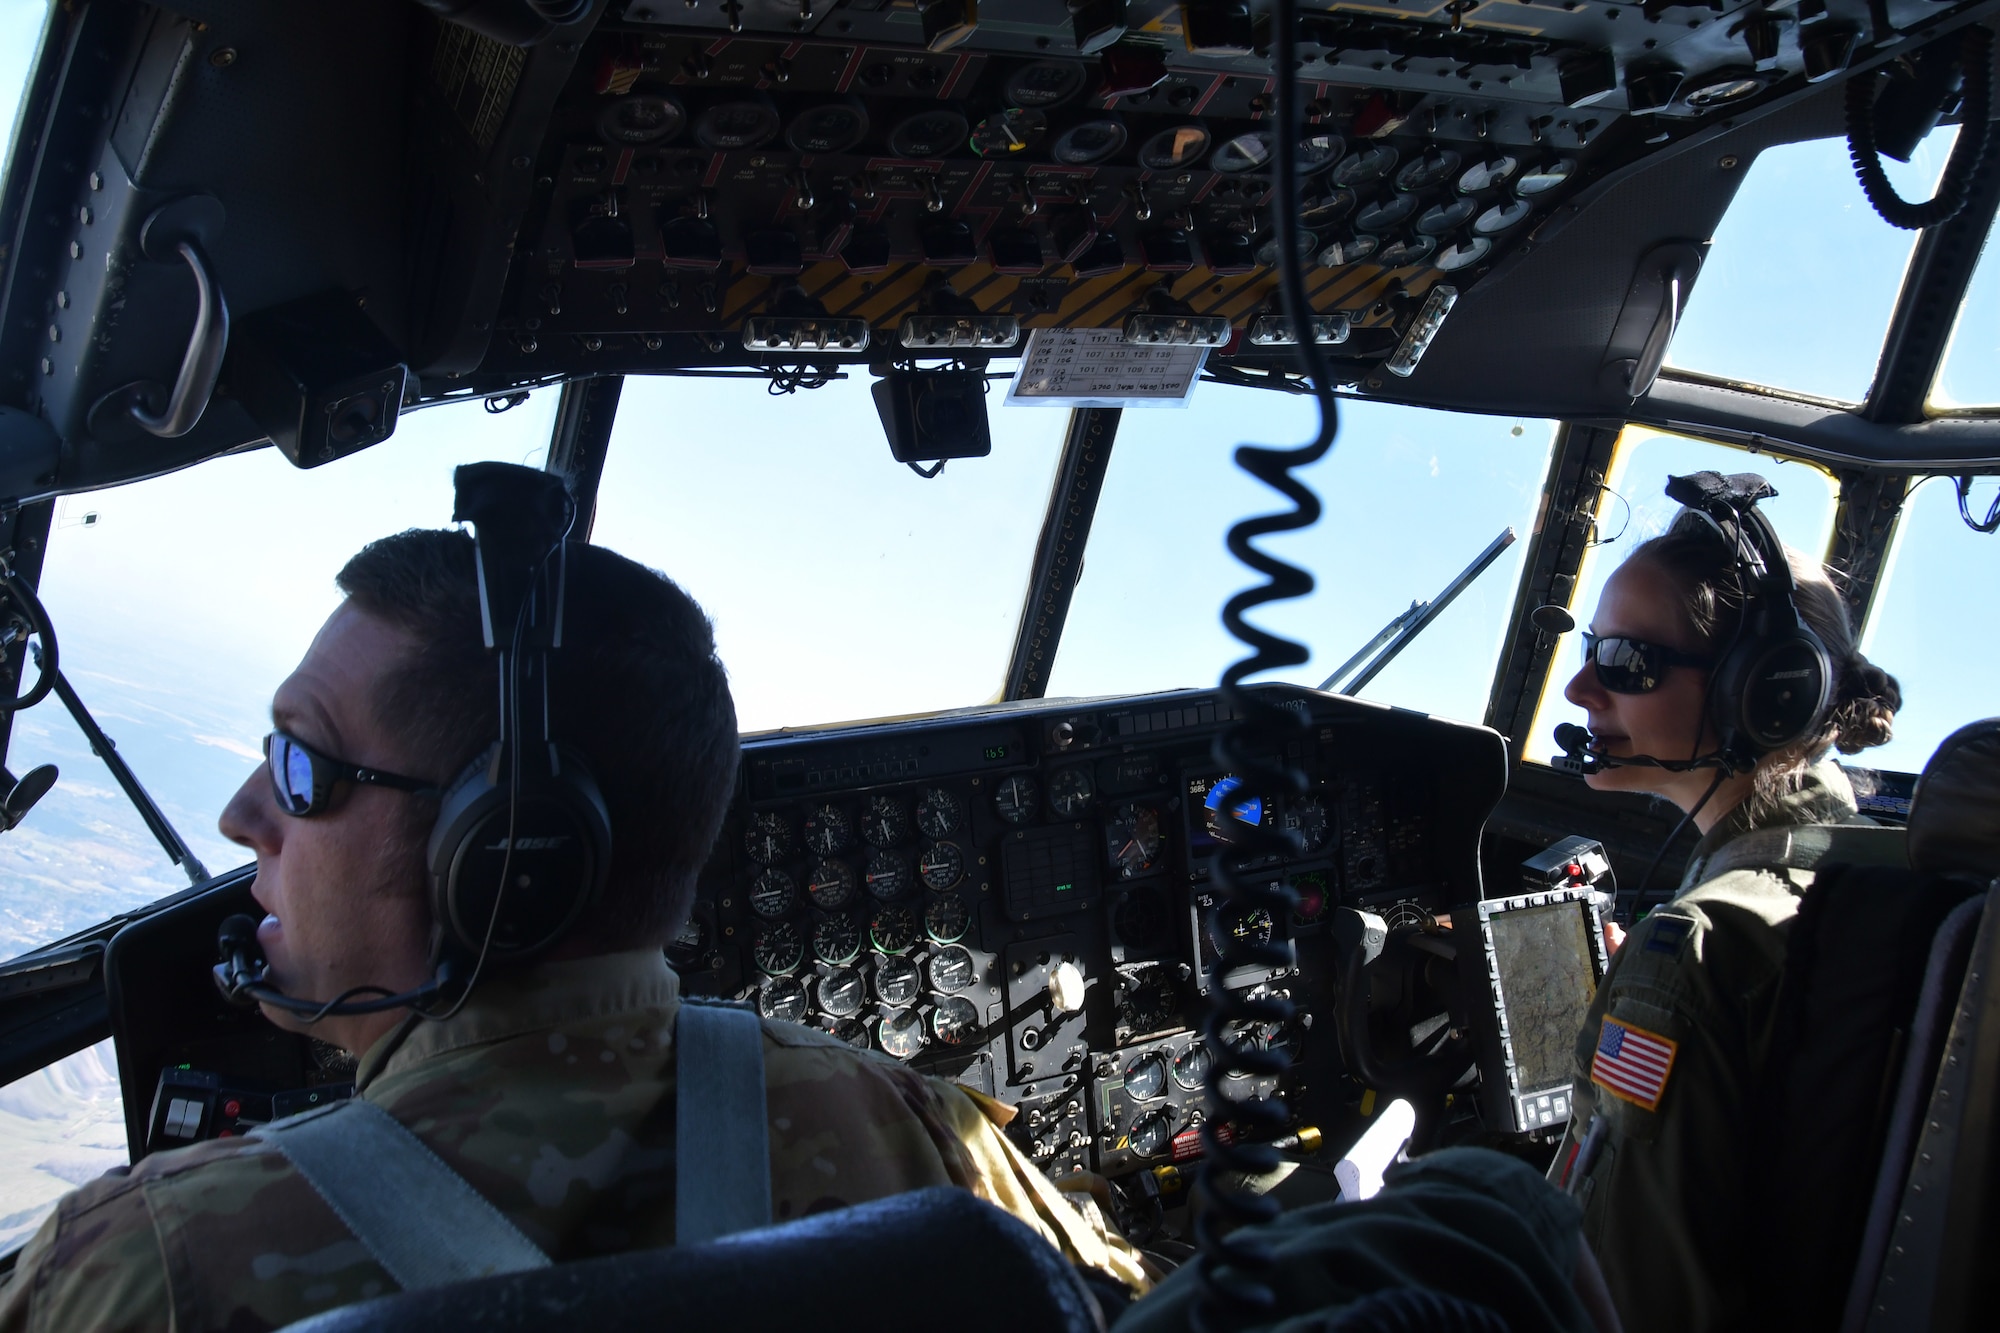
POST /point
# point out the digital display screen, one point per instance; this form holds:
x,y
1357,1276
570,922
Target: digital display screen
x,y
1547,981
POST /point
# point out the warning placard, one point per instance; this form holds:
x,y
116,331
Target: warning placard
x,y
1098,368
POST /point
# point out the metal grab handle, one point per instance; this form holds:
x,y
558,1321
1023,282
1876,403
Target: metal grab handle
x,y
203,361
1653,354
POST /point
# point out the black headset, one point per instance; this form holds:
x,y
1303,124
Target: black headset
x,y
522,843
1773,680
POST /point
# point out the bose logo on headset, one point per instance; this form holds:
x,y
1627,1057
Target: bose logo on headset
x,y
529,844
1800,674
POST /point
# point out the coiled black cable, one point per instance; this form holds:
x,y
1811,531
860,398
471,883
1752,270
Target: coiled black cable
x,y
1232,1267
1974,138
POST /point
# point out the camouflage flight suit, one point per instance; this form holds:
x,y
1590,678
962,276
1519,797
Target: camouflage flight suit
x,y
552,1092
1693,988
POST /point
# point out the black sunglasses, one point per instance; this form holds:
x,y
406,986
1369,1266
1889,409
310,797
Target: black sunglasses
x,y
303,778
1633,666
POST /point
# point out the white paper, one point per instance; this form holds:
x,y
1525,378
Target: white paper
x,y
1098,368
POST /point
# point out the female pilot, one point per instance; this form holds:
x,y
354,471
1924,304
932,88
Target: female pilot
x,y
1657,1150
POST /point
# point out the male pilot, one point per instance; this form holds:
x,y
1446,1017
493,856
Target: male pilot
x,y
552,1090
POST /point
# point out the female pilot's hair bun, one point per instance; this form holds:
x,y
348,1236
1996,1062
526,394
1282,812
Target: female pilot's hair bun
x,y
1864,706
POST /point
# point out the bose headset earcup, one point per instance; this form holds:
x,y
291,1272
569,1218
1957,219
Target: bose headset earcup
x,y
1775,680
554,860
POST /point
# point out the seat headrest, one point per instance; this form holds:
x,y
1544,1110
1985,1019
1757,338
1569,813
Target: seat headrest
x,y
1955,810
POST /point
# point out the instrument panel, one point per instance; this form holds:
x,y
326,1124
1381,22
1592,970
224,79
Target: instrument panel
x,y
1020,897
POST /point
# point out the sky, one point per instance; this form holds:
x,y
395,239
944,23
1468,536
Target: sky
x,y
843,586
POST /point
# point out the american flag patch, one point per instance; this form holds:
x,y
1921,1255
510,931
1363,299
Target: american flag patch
x,y
1632,1063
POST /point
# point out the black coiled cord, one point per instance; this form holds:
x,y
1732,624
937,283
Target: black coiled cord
x,y
32,618
1974,136
1232,1267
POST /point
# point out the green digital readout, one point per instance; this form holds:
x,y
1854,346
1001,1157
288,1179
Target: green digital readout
x,y
995,753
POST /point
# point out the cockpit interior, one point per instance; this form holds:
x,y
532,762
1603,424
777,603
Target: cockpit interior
x,y
647,237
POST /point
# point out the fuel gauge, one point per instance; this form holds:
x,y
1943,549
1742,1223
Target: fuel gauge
x,y
1007,132
772,895
887,876
1175,149
897,981
955,1021
841,992
1092,141
941,866
852,1031
952,970
901,1033
1016,799
832,884
782,999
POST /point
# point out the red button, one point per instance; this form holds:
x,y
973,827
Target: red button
x,y
232,1108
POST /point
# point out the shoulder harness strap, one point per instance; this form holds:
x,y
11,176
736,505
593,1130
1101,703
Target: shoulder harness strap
x,y
416,1216
1803,847
722,1149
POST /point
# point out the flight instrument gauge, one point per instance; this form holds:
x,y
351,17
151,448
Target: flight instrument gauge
x,y
1366,167
901,1033
1092,141
836,939
1008,132
1152,1135
732,126
832,884
931,133
778,948
782,999
1191,1066
955,1021
897,981
952,970
768,839
1306,816
1506,214
1440,219
1319,150
885,823
1133,839
1487,174
772,895
1044,84
939,813
1240,925
888,875
1146,1077
1175,149
1016,799
942,865
647,118
852,1031
841,992
1405,251
833,127
1313,902
828,830
1382,215
1246,152
894,929
1542,179
1070,792
946,918
1433,168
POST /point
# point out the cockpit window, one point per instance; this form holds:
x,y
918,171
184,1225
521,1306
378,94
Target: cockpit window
x,y
1931,625
23,24
1635,507
180,603
1968,379
1412,496
842,586
1799,285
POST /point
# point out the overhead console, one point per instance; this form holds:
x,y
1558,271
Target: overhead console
x,y
400,202
1020,897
